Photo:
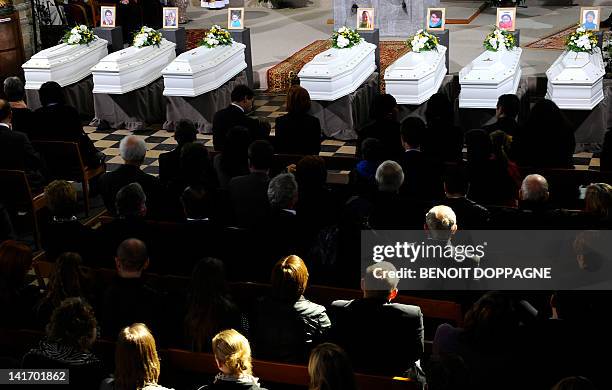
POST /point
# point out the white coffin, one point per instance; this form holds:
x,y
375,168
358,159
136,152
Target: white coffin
x,y
64,64
575,80
414,77
132,68
203,69
489,76
337,72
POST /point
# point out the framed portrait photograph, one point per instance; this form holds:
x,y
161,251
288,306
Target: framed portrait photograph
x,y
506,19
589,18
170,17
235,18
436,19
365,19
107,16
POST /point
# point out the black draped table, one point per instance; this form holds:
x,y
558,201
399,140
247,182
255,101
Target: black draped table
x,y
201,109
343,117
78,95
591,126
133,110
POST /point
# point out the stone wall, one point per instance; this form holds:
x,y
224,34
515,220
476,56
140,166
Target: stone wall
x,y
25,18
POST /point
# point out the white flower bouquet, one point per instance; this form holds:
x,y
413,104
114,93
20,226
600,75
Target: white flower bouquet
x,y
581,40
422,41
498,39
79,35
147,37
345,37
216,36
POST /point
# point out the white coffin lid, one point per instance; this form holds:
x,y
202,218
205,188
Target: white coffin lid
x,y
132,57
577,68
202,59
334,62
415,66
69,56
491,67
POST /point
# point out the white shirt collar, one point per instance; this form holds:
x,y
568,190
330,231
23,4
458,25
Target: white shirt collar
x,y
5,125
241,109
290,211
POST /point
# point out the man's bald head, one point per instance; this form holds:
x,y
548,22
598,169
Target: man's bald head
x,y
5,111
534,189
132,255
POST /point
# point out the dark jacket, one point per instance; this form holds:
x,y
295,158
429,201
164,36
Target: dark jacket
x,y
249,198
422,176
59,122
170,165
68,236
232,116
111,234
127,301
16,152
507,125
470,215
23,120
379,337
285,331
388,133
111,182
297,134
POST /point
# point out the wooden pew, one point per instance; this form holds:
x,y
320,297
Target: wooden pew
x,y
200,364
246,292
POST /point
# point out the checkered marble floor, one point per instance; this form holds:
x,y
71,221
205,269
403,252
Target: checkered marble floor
x,y
268,107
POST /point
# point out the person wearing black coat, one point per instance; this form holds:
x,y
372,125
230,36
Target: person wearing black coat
x,y
236,114
298,132
507,110
57,121
133,151
23,117
384,127
16,151
357,323
170,162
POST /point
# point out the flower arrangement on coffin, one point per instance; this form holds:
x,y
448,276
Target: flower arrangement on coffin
x,y
422,41
498,39
79,35
216,36
147,37
581,40
345,37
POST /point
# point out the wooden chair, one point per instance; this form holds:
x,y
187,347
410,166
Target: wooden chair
x,y
64,161
21,199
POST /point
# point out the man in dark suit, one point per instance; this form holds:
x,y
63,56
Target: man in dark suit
x,y
248,193
507,110
422,175
133,151
379,336
384,127
23,117
170,162
128,299
57,121
236,115
472,215
16,151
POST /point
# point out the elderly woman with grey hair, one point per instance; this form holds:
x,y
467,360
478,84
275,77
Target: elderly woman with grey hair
x,y
22,115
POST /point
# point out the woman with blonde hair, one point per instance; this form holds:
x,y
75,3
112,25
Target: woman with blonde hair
x,y
329,368
136,363
233,356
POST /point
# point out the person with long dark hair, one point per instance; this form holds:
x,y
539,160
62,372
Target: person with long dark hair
x,y
443,141
329,368
210,305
